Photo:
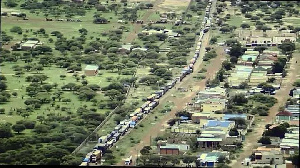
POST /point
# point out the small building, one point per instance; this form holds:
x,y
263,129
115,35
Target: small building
x,y
125,48
284,116
169,150
210,159
91,70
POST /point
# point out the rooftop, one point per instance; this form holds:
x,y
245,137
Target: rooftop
x,y
91,67
215,123
209,139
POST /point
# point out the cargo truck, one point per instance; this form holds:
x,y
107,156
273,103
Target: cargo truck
x,y
128,160
116,137
96,155
101,146
102,139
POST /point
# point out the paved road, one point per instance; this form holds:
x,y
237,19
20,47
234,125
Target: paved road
x,y
282,95
181,102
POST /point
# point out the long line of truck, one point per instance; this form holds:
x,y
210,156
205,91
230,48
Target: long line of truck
x,y
107,141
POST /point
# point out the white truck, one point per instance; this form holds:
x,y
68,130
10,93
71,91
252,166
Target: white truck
x,y
128,160
102,139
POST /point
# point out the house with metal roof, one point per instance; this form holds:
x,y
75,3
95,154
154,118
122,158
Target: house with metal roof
x,y
210,159
173,149
91,70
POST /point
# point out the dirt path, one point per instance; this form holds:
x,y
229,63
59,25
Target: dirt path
x,y
138,27
282,95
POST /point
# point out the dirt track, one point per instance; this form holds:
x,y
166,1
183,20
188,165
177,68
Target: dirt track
x,y
137,27
282,95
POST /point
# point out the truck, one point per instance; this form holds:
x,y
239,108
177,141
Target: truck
x,y
116,137
140,116
147,110
164,88
110,143
146,104
101,146
134,118
187,69
191,66
151,97
117,128
138,110
153,105
96,155
128,160
208,24
123,130
102,139
108,137
158,94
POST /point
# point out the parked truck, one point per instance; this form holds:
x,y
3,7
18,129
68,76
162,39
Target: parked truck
x,y
128,160
134,118
101,146
117,128
147,110
102,139
140,116
110,143
151,97
116,137
123,130
96,155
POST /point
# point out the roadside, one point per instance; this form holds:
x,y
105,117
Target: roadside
x,y
282,95
180,102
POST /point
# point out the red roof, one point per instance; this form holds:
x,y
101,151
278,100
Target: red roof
x,y
284,113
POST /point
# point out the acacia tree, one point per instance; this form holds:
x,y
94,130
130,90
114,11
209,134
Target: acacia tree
x,y
18,128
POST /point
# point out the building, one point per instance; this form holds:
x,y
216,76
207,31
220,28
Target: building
x,y
173,149
239,74
91,70
290,143
213,105
268,38
210,159
284,116
169,150
295,110
125,48
263,155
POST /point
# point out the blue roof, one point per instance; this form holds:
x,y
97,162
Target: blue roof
x,y
184,117
215,123
229,116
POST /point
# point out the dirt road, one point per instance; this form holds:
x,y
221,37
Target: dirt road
x,y
282,95
137,27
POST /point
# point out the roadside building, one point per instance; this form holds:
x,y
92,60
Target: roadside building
x,y
210,159
91,70
172,149
264,155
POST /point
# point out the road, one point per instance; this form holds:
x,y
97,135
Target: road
x,y
282,95
182,101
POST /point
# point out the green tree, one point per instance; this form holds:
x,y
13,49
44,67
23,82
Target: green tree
x,y
264,140
18,128
5,130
